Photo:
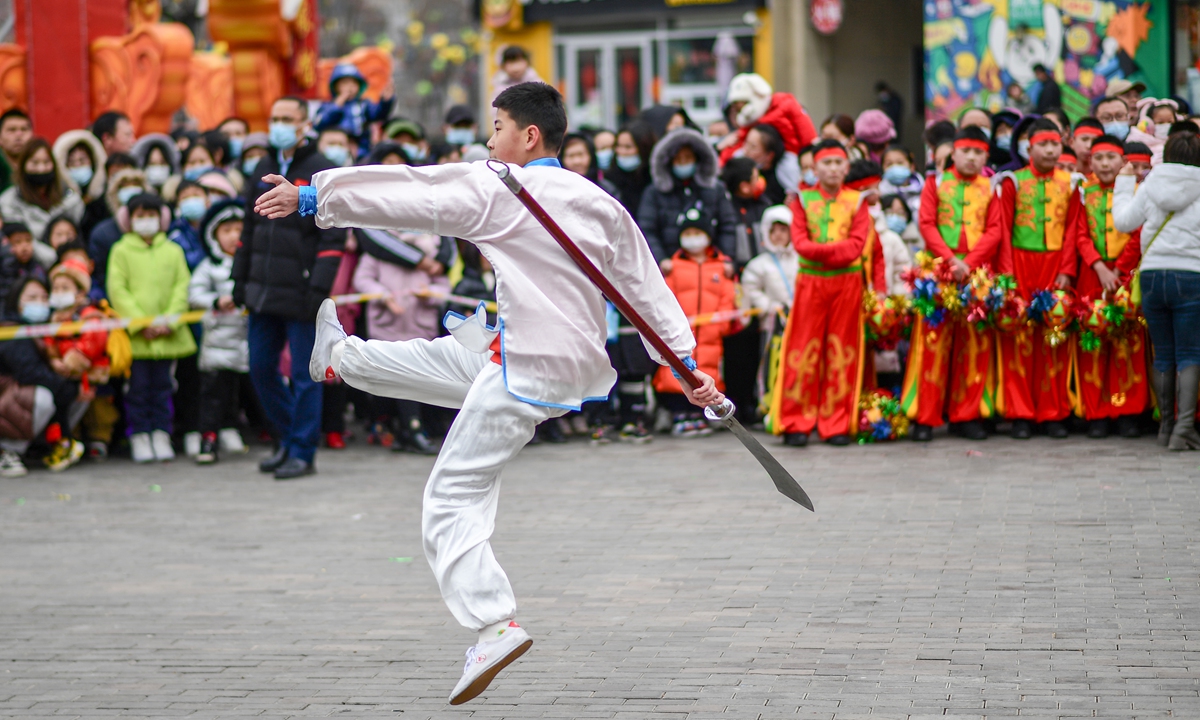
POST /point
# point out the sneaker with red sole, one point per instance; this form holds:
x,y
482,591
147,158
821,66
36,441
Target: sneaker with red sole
x,y
335,441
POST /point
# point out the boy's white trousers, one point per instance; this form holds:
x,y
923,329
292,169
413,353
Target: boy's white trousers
x,y
459,511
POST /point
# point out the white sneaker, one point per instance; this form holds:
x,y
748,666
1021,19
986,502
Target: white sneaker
x,y
11,465
487,659
231,441
139,445
329,333
160,440
191,444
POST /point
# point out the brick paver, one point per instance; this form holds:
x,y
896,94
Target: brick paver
x,y
1047,579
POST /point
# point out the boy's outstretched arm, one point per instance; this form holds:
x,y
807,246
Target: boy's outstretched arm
x,y
280,201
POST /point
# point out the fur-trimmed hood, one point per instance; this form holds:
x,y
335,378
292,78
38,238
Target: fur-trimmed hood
x,y
110,194
146,143
665,151
62,148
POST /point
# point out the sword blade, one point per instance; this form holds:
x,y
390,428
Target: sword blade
x,y
784,482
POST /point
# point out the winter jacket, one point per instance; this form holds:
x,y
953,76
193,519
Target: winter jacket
x,y
14,208
62,150
769,280
665,201
896,258
749,240
12,271
354,118
224,345
910,191
630,186
786,115
183,234
285,267
147,280
22,360
421,317
701,289
1169,188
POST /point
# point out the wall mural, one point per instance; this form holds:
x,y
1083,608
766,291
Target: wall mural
x,y
975,50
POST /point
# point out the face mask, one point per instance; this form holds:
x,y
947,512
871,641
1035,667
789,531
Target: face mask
x,y
194,173
1162,131
40,179
248,166
460,136
157,175
1023,149
629,163
282,136
604,158
62,300
126,194
685,171
810,178
337,155
1119,130
235,147
896,223
1004,142
897,175
81,175
147,227
415,152
192,208
35,312
694,243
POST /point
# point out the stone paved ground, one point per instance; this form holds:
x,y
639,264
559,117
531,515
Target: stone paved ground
x,y
1049,579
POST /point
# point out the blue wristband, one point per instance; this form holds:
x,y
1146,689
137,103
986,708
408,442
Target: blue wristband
x,y
688,363
308,200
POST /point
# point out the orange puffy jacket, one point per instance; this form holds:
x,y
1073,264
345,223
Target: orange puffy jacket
x,y
701,289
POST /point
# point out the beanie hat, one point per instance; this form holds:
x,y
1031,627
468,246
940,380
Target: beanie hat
x,y
76,271
753,90
874,127
696,216
775,214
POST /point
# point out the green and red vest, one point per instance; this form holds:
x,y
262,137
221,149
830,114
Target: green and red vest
x,y
828,222
1040,220
1097,203
962,211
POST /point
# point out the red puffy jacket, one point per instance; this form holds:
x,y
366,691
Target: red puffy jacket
x,y
701,289
787,116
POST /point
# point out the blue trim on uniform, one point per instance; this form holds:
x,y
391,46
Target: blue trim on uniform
x,y
544,162
688,363
531,401
308,200
481,309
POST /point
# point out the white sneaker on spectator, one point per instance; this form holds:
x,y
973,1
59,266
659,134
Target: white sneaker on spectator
x,y
487,659
11,465
231,441
191,444
329,333
160,440
140,447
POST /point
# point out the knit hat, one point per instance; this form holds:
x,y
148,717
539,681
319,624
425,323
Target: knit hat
x,y
753,90
76,271
874,127
216,181
775,214
696,216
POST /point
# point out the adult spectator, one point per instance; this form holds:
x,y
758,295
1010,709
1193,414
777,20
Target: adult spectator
x,y
39,193
460,129
82,157
235,129
1128,92
1114,116
684,172
765,147
1051,95
115,132
579,156
665,118
751,102
1167,208
15,132
874,129
514,70
890,103
630,169
281,273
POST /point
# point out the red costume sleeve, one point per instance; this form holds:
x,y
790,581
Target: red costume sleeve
x,y
878,265
94,345
996,244
1131,256
927,222
1075,230
838,254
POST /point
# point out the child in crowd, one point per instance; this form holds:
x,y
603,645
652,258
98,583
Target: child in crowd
x,y
60,231
16,257
411,309
224,351
1068,161
348,110
697,278
148,276
901,178
745,186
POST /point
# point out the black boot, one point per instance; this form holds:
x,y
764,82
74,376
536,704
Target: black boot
x,y
1164,394
838,440
795,439
1097,429
1055,429
1127,427
922,433
1021,430
1184,436
271,463
974,430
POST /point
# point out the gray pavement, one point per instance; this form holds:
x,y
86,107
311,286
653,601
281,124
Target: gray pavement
x,y
997,579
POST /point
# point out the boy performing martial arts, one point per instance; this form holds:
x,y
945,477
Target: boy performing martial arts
x,y
544,356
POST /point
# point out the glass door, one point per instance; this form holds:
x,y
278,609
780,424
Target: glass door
x,y
607,77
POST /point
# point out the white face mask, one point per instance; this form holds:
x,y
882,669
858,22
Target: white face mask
x,y
147,227
62,300
694,243
1162,130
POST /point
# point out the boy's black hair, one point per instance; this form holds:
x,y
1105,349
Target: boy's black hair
x,y
971,132
74,245
1137,148
897,147
772,139
887,201
216,141
737,171
12,228
1068,150
539,104
106,124
120,158
1110,140
145,201
1064,121
1182,148
938,133
807,149
860,169
826,144
513,52
1089,122
1045,124
1183,126
55,221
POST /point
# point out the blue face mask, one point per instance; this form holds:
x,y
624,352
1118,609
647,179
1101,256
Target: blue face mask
x,y
126,194
1004,142
193,208
896,223
684,171
194,173
81,175
282,136
235,147
460,136
415,152
810,178
249,165
337,155
35,312
604,158
628,163
897,175
1119,130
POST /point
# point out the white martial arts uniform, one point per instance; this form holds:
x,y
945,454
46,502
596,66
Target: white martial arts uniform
x,y
552,332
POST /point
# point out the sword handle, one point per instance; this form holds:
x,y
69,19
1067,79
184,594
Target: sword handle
x,y
720,413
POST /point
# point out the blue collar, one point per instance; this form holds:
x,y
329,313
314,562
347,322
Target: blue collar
x,y
544,162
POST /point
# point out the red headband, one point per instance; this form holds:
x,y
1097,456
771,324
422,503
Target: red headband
x,y
969,143
1137,157
1045,136
1085,130
1106,146
861,183
829,151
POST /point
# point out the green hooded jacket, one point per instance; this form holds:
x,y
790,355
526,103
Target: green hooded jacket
x,y
147,280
